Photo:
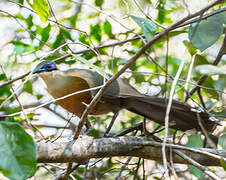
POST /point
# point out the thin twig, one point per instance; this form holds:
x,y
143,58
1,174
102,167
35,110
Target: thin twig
x,y
138,165
122,168
167,117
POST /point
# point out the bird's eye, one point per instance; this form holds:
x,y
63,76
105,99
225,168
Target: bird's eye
x,y
49,67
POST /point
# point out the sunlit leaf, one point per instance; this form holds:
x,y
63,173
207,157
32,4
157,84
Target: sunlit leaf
x,y
95,32
59,40
99,2
41,8
108,28
223,164
45,33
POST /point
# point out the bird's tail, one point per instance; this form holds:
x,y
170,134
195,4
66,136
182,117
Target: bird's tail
x,y
181,117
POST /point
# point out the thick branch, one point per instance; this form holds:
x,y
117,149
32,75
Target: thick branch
x,y
85,148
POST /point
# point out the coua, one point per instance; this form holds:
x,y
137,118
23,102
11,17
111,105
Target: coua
x,y
120,95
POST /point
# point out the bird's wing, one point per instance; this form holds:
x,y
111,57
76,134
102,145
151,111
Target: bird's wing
x,y
117,89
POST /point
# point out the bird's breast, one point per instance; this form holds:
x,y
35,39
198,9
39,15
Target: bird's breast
x,y
59,85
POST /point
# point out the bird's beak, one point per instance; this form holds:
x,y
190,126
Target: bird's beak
x,y
37,70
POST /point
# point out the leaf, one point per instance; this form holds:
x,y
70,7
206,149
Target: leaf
x,y
21,1
94,133
195,140
209,82
5,91
192,49
197,172
41,8
222,141
95,32
2,77
21,48
205,33
96,68
200,60
99,2
220,84
18,152
147,26
210,70
222,17
45,33
161,11
107,28
58,41
83,38
223,164
28,87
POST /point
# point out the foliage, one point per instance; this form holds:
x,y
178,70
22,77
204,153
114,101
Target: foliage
x,y
60,30
18,152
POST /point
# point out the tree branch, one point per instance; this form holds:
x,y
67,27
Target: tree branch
x,y
85,148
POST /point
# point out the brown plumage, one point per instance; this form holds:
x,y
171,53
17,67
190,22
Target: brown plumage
x,y
120,95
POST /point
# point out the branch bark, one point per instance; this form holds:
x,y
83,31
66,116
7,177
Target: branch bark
x,y
85,148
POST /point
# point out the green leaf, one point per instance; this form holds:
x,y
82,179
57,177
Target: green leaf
x,y
107,28
83,38
45,33
195,140
222,17
223,164
18,152
211,70
2,77
59,40
220,84
41,8
222,141
94,133
197,172
28,87
96,68
21,1
200,60
192,49
99,2
147,26
5,91
95,32
66,34
209,82
205,33
161,11
21,48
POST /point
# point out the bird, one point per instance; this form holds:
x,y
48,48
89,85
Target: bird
x,y
119,95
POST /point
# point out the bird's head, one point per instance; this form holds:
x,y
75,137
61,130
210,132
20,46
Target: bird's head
x,y
45,66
